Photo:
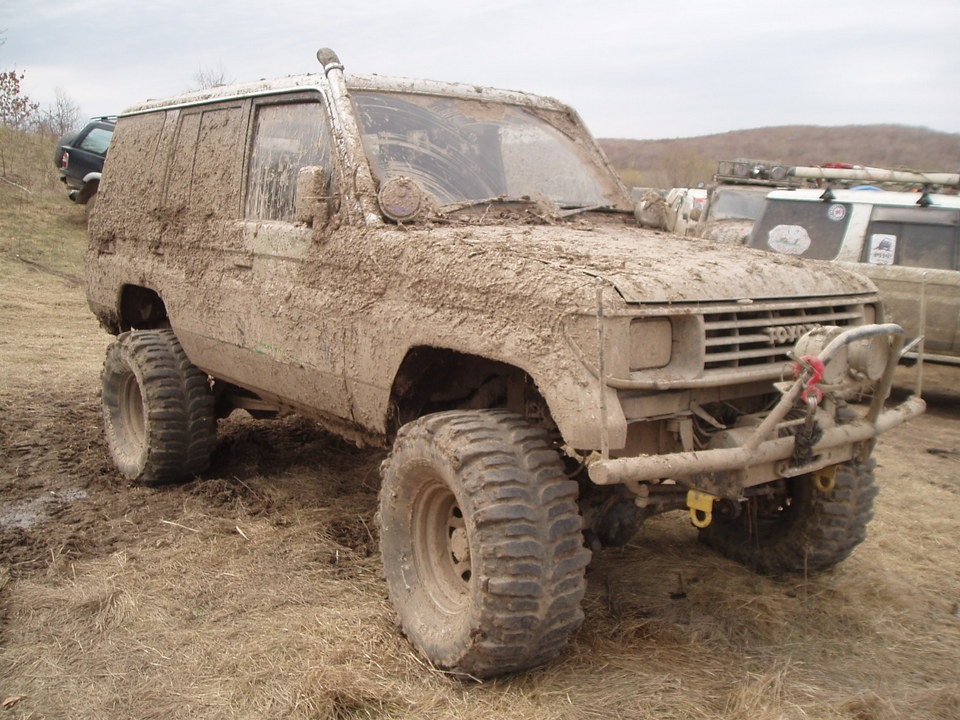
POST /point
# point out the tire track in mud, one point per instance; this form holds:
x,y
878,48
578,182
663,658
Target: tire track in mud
x,y
70,279
62,500
52,462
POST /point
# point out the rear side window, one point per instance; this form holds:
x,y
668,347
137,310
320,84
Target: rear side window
x,y
808,229
205,167
911,245
97,140
138,161
288,137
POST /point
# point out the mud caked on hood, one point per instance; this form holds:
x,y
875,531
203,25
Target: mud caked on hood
x,y
652,267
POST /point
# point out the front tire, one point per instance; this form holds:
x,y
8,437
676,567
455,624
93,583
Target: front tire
x,y
158,409
481,542
802,529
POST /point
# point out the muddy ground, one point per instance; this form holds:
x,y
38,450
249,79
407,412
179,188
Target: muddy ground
x,y
255,590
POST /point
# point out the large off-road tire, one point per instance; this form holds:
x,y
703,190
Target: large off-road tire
x,y
481,542
806,529
158,409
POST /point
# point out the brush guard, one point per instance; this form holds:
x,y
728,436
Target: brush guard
x,y
824,353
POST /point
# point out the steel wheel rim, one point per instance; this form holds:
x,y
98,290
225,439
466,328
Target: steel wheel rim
x,y
132,412
441,547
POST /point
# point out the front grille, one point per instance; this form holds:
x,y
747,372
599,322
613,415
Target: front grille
x,y
763,333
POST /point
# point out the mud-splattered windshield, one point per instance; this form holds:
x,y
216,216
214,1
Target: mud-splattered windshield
x,y
463,150
736,204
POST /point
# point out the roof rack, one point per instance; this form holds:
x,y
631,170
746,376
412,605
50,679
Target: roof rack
x,y
744,171
858,173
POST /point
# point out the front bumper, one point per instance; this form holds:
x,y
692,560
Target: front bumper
x,y
760,452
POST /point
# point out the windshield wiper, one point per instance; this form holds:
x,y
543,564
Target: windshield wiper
x,y
550,209
568,212
498,200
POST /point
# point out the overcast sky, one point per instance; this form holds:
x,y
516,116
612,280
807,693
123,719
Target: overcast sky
x,y
676,68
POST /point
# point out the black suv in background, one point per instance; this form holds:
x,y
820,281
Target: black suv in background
x,y
80,155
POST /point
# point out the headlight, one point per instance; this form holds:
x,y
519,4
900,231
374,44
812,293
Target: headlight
x,y
650,343
630,344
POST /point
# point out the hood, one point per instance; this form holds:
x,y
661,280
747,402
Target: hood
x,y
652,267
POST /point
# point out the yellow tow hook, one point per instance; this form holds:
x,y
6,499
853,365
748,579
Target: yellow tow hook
x,y
701,508
825,479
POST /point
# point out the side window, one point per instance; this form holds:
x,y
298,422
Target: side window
x,y
286,138
97,140
216,167
181,166
204,172
911,245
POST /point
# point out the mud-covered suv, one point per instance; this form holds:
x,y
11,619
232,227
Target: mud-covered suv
x,y
79,158
455,271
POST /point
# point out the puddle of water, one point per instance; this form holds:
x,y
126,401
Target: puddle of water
x,y
27,513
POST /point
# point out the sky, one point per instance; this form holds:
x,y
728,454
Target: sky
x,y
638,69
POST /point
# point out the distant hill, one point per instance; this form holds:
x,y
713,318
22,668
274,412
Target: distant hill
x,y
680,162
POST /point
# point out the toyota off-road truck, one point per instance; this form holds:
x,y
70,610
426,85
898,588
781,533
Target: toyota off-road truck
x,y
455,272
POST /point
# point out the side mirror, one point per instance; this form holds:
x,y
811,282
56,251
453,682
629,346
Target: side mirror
x,y
311,202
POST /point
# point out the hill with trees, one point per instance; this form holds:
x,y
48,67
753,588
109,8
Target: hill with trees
x,y
684,162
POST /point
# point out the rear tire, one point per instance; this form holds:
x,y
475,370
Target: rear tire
x,y
481,542
158,409
804,529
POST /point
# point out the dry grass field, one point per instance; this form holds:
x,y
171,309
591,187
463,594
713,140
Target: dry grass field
x,y
255,591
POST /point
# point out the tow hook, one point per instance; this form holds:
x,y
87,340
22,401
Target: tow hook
x,y
825,479
810,370
815,368
701,508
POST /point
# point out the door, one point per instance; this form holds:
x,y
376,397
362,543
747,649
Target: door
x,y
292,328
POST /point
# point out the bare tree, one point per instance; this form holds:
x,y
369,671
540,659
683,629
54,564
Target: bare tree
x,y
60,117
681,167
208,77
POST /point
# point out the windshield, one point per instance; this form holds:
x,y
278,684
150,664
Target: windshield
x,y
728,204
795,227
470,150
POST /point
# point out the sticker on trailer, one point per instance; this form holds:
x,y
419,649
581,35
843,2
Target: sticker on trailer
x,y
789,239
883,248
